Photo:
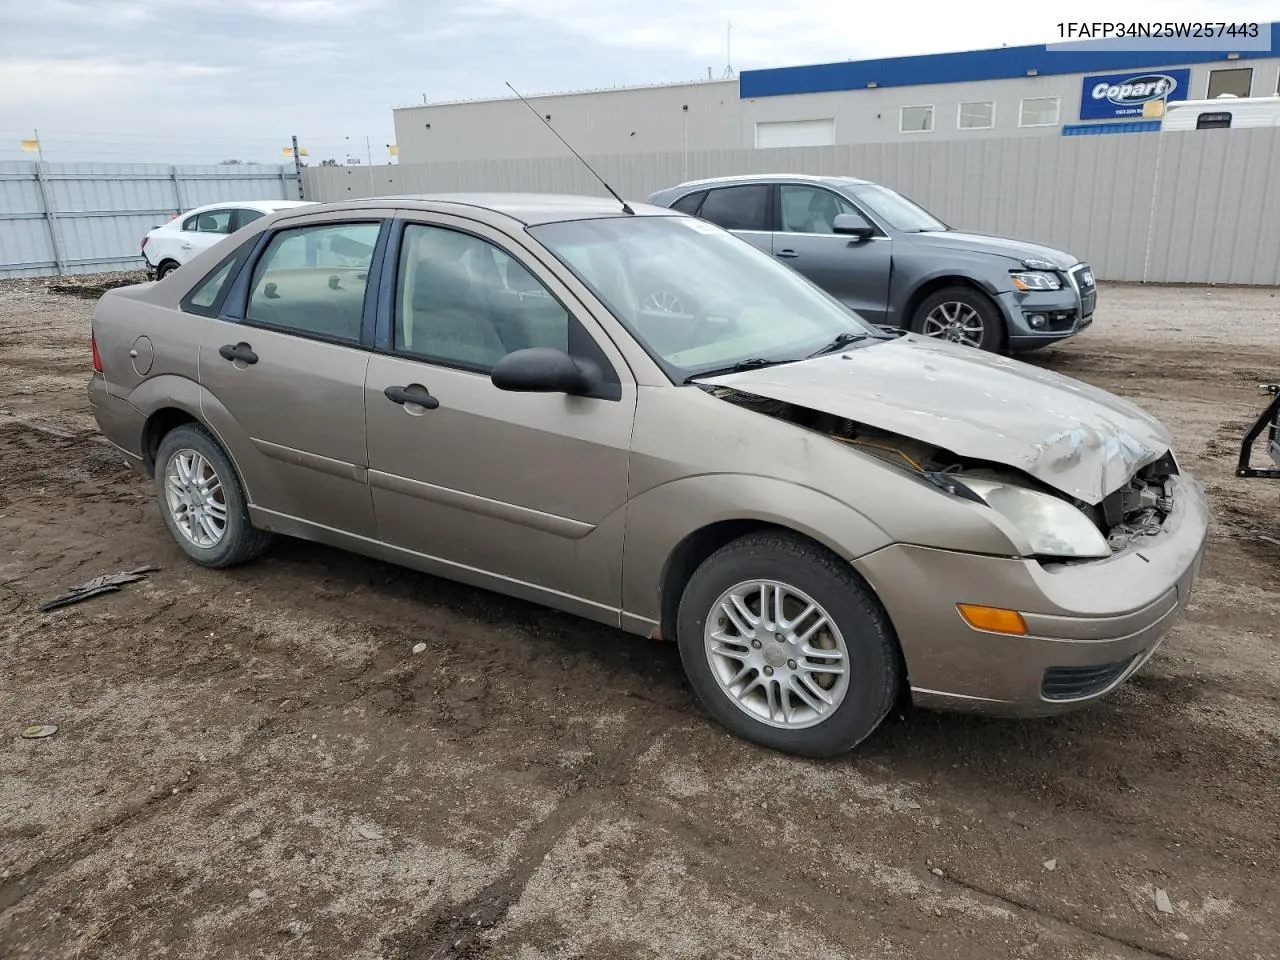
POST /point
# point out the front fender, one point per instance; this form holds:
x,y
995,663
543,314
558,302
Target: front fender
x,y
662,517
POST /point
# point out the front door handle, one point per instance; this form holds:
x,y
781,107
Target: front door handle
x,y
186,246
413,393
240,351
787,254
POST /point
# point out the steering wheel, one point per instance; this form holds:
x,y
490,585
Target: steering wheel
x,y
720,312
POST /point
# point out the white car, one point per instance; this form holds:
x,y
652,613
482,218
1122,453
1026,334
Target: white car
x,y
167,247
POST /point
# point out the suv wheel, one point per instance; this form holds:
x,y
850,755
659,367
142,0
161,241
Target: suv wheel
x,y
961,315
202,501
786,646
166,268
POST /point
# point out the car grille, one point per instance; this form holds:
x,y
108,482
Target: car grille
x,y
1072,683
1081,277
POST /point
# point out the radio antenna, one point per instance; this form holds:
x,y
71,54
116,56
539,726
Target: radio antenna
x,y
626,208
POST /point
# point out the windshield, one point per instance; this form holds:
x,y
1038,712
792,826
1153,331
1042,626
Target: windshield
x,y
697,298
895,209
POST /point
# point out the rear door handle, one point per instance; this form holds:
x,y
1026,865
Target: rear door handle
x,y
186,246
240,351
414,393
787,254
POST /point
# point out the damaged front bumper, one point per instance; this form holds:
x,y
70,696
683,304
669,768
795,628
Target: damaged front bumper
x,y
1091,625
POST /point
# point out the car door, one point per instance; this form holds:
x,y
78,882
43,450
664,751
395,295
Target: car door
x,y
200,231
282,369
852,269
744,209
522,492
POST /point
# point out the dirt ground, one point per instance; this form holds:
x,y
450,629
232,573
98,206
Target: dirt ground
x,y
254,763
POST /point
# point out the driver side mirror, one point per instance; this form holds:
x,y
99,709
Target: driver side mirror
x,y
540,370
852,225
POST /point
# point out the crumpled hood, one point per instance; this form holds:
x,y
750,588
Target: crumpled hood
x,y
1078,439
1000,246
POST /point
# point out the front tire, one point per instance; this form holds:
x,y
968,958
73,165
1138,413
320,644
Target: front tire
x,y
961,315
786,646
202,501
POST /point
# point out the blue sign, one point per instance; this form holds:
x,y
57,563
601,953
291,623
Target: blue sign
x,y
1114,96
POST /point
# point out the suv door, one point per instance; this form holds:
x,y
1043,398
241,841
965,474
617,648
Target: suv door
x,y
744,209
525,492
282,369
853,270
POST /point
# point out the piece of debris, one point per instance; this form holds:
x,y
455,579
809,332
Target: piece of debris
x,y
1181,936
39,731
936,871
257,894
107,583
419,648
1263,536
1051,865
369,833
1162,901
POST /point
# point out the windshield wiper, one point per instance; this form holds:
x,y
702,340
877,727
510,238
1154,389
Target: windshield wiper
x,y
749,364
840,341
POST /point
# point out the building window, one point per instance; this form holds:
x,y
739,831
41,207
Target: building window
x,y
977,115
1039,112
1236,82
916,120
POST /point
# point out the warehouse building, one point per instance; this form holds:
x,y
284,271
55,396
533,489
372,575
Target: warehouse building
x,y
1024,91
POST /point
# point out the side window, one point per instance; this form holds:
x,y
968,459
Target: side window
x,y
207,296
189,224
808,209
243,217
690,203
311,280
462,301
214,221
738,208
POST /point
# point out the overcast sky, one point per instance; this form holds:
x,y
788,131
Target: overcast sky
x,y
192,81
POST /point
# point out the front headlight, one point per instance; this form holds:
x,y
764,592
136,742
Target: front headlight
x,y
1036,280
1053,527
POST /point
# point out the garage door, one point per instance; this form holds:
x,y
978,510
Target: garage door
x,y
796,133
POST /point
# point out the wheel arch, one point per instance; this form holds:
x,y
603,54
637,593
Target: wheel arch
x,y
932,285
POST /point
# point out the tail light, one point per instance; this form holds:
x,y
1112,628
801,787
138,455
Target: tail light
x,y
144,242
97,360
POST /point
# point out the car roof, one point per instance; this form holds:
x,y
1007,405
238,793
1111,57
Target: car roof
x,y
266,206
529,209
769,177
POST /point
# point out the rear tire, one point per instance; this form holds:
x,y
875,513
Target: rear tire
x,y
961,315
789,681
202,501
166,267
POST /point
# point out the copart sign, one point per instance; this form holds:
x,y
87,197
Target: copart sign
x,y
1110,96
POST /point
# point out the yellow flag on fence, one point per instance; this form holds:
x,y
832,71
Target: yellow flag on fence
x,y
394,149
286,151
29,146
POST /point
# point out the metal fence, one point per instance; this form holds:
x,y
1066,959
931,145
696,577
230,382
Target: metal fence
x,y
1199,206
58,218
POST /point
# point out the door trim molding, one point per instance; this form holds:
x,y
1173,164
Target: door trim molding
x,y
558,526
312,461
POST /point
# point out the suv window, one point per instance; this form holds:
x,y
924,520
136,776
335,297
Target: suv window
x,y
312,280
808,209
738,208
690,203
463,301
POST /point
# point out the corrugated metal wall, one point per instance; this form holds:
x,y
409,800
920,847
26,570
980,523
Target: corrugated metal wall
x,y
1188,207
90,217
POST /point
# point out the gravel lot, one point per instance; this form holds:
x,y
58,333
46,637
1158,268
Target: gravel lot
x,y
253,763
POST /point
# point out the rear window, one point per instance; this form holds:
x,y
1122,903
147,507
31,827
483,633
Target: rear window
x,y
738,208
690,203
206,297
